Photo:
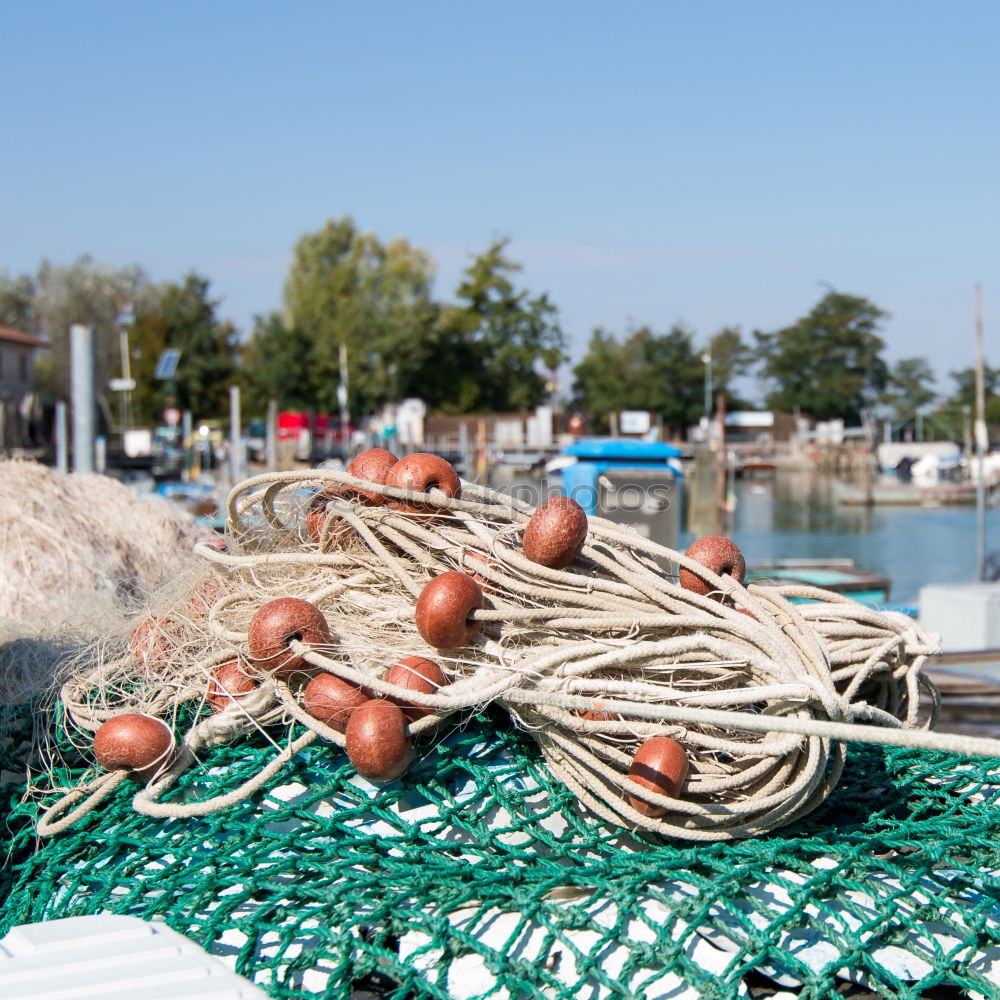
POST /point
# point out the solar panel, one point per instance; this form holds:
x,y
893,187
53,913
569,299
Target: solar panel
x,y
166,367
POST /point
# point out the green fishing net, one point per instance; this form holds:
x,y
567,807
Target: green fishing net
x,y
478,875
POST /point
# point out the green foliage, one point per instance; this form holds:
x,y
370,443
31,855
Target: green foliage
x,y
277,363
658,372
963,399
908,388
731,358
827,364
965,386
346,288
184,319
599,381
449,376
512,331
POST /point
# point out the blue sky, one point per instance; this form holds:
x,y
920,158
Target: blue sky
x,y
711,163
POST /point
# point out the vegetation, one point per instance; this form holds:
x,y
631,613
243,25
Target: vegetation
x,y
663,373
495,347
827,364
346,289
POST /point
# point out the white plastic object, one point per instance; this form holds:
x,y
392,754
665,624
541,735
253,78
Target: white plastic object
x,y
112,957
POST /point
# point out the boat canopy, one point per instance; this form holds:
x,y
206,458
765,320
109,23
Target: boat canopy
x,y
622,450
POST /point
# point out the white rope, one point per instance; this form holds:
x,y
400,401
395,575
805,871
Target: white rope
x,y
760,691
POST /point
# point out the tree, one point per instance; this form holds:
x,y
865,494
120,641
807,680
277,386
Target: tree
x,y
600,380
965,385
828,363
731,358
184,318
656,372
346,289
278,363
513,331
89,293
963,399
449,375
17,302
665,375
908,388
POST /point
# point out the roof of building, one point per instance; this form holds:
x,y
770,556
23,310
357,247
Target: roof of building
x,y
18,337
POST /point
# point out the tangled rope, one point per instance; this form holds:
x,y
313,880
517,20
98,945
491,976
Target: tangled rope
x,y
596,659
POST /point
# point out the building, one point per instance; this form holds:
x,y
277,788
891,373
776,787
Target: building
x,y
17,362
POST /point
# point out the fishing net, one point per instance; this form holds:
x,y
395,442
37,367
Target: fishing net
x,y
75,550
517,855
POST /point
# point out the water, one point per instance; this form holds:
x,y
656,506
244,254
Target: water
x,y
795,515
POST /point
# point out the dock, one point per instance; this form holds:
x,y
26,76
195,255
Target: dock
x,y
970,702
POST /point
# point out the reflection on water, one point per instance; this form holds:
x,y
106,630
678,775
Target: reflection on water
x,y
796,516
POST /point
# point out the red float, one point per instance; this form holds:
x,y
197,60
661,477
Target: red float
x,y
555,532
660,765
378,740
332,700
134,742
717,553
276,624
444,607
419,675
230,683
422,472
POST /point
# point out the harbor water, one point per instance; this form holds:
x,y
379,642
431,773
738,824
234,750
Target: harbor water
x,y
797,515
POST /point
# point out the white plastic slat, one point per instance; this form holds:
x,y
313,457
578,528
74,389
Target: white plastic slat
x,y
121,958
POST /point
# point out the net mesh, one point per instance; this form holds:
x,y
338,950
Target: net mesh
x,y
478,875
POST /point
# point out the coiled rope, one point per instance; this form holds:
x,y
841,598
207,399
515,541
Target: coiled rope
x,y
761,692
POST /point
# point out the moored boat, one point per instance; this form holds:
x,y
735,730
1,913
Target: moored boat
x,y
838,575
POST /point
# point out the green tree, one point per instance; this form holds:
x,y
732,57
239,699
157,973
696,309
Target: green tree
x,y
657,372
963,399
278,363
599,381
448,376
185,319
731,358
665,375
908,388
345,288
828,363
965,385
514,332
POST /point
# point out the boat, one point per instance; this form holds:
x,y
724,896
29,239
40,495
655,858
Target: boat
x,y
935,494
839,575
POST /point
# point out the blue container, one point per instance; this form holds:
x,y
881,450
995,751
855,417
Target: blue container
x,y
638,483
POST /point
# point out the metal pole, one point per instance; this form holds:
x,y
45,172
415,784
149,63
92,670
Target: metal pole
x,y
82,376
342,394
982,442
235,438
61,438
271,435
187,444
